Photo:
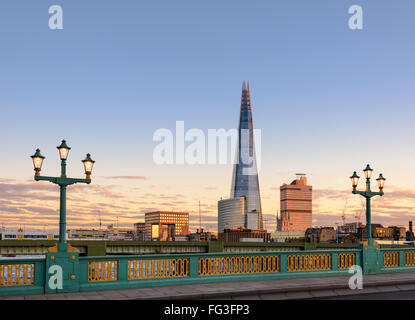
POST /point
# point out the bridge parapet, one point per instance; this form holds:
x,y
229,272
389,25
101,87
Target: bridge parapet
x,y
67,272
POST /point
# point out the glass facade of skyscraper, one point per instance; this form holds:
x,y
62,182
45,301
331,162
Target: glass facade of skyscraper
x,y
245,174
231,214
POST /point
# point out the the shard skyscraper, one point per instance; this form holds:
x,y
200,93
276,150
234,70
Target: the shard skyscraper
x,y
245,173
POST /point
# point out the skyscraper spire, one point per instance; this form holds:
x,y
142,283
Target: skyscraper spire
x,y
246,98
245,174
249,96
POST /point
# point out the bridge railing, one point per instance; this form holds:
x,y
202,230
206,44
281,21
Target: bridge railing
x,y
140,271
133,271
397,259
22,276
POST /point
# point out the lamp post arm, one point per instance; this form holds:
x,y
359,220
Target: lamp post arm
x,y
372,194
362,193
62,181
368,194
44,178
69,181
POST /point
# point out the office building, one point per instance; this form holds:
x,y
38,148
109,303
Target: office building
x,y
288,236
252,220
244,235
201,235
231,214
295,205
110,233
245,174
27,234
139,231
166,225
243,208
351,227
322,234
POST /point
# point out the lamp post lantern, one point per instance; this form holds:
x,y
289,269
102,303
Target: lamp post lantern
x,y
368,194
88,165
63,181
37,162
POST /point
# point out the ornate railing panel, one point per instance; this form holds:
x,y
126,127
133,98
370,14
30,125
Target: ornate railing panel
x,y
19,274
209,266
391,259
158,268
103,271
346,260
409,258
308,262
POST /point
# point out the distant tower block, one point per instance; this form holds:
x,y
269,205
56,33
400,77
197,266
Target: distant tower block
x,y
296,205
231,214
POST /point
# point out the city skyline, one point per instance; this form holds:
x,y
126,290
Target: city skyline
x,y
107,86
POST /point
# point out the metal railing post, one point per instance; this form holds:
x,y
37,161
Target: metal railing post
x,y
194,266
335,261
401,258
123,269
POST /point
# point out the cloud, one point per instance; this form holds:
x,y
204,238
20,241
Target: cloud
x,y
127,177
330,194
106,191
37,203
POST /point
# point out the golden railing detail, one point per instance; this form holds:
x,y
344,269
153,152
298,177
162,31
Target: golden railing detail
x,y
158,268
19,274
308,262
102,271
210,266
346,260
391,259
410,258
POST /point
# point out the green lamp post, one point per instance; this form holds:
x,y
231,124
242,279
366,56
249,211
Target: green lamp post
x,y
368,194
63,181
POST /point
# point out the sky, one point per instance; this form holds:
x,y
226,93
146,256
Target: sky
x,y
327,99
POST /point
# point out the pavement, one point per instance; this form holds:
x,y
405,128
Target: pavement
x,y
399,295
329,287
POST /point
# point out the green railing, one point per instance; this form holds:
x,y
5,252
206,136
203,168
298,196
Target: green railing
x,y
67,272
22,276
397,259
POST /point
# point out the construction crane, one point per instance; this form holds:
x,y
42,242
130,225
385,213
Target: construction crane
x,y
361,211
200,219
344,213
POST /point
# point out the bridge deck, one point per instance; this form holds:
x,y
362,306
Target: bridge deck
x,y
303,288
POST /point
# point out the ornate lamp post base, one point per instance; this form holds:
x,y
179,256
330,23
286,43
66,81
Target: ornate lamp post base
x,y
62,248
62,272
371,258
